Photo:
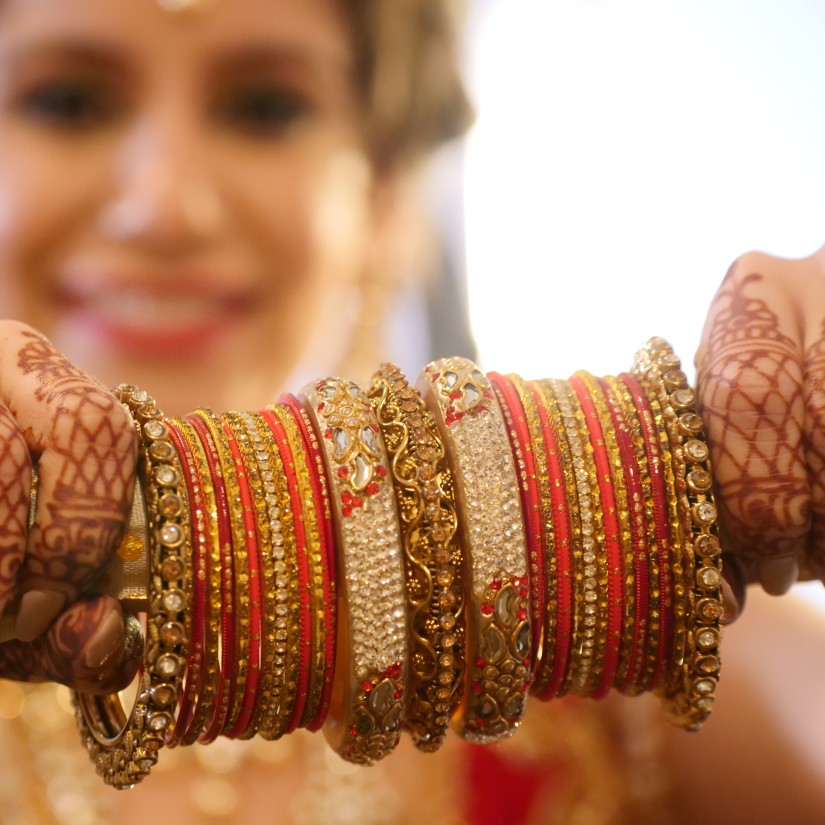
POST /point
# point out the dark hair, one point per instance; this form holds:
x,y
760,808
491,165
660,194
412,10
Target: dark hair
x,y
406,64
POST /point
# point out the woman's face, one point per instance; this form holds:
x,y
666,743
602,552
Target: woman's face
x,y
185,198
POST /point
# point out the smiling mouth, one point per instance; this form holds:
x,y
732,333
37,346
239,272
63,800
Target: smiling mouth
x,y
140,321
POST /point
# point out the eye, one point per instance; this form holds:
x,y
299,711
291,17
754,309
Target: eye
x,y
68,104
264,111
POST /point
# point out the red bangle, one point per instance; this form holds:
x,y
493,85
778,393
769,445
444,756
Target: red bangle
x,y
271,416
255,586
523,459
563,549
583,384
227,665
326,535
637,605
657,484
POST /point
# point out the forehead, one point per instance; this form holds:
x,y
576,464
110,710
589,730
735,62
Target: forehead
x,y
145,27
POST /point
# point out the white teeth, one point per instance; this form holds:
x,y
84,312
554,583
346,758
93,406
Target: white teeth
x,y
138,308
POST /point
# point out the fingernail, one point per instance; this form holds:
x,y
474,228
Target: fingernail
x,y
38,609
106,643
778,576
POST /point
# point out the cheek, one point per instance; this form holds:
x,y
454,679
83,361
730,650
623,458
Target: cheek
x,y
41,203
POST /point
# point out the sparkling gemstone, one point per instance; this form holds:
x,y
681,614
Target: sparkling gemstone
x,y
709,609
699,480
471,395
450,379
141,397
368,438
342,440
170,505
675,378
696,450
166,476
704,513
172,633
707,639
155,429
173,601
363,471
163,694
708,664
172,567
162,451
690,422
158,721
171,535
590,596
168,665
705,704
707,546
704,686
708,578
683,398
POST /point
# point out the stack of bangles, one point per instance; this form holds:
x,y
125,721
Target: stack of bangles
x,y
421,557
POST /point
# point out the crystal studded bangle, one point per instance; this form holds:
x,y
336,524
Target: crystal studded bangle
x,y
499,643
365,718
432,555
692,686
125,748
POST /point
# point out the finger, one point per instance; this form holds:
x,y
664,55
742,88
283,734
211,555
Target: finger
x,y
92,646
15,486
734,589
87,449
750,384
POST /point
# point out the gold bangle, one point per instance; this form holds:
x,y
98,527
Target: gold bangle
x,y
472,428
690,692
432,555
124,749
367,709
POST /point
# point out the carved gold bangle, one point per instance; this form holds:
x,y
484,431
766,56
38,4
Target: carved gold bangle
x,y
432,555
124,749
366,714
499,644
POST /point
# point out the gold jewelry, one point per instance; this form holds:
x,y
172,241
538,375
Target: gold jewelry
x,y
432,555
472,428
365,718
691,689
125,749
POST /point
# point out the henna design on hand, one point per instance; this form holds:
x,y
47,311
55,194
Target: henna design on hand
x,y
87,466
15,482
751,390
815,448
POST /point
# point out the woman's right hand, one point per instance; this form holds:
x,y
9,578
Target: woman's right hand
x,y
84,446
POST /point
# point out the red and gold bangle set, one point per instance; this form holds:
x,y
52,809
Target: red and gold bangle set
x,y
420,557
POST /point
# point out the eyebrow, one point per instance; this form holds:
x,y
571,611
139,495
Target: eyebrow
x,y
284,56
81,52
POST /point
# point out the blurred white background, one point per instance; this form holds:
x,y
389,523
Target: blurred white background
x,y
625,153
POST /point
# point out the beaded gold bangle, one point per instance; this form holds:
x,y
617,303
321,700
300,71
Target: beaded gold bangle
x,y
691,689
472,428
432,555
287,592
125,749
365,718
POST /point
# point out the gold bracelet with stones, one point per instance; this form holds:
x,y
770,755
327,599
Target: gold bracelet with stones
x,y
276,533
276,717
432,555
691,693
315,585
366,713
472,428
125,749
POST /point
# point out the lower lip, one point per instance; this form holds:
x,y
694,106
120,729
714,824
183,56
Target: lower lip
x,y
185,342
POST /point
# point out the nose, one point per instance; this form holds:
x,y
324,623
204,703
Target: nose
x,y
165,197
